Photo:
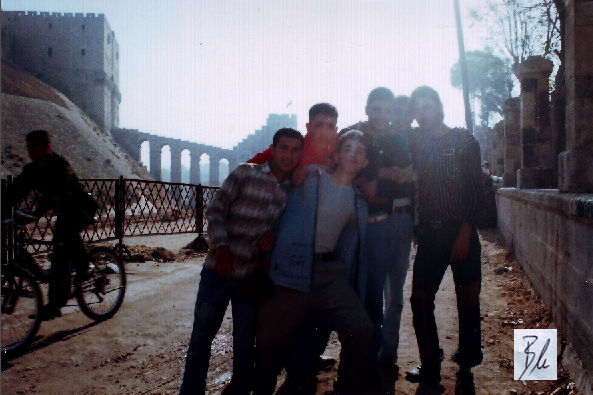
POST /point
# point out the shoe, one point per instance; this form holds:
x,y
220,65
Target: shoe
x,y
389,367
49,313
422,374
325,364
466,362
465,383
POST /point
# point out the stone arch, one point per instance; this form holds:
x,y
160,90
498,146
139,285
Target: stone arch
x,y
145,154
205,168
166,163
186,165
223,170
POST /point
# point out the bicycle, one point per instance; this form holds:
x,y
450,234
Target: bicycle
x,y
99,292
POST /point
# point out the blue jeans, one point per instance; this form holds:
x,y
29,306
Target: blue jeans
x,y
388,245
214,294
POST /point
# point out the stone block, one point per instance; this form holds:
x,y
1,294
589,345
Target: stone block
x,y
574,168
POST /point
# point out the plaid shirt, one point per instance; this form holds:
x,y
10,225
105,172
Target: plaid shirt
x,y
245,208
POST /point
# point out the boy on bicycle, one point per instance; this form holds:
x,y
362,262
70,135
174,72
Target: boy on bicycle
x,y
60,191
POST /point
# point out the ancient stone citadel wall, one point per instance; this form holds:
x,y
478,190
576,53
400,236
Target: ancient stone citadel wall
x,y
76,53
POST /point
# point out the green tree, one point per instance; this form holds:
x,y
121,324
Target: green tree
x,y
489,81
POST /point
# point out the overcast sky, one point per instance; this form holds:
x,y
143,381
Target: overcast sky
x,y
212,71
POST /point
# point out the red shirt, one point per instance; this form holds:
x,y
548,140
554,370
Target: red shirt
x,y
312,154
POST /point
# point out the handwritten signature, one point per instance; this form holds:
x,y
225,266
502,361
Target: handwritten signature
x,y
530,355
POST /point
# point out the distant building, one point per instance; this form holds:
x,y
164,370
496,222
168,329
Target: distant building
x,y
75,53
262,138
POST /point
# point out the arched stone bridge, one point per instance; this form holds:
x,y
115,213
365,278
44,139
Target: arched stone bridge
x,y
131,141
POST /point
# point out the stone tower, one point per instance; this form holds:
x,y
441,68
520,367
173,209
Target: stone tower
x,y
75,53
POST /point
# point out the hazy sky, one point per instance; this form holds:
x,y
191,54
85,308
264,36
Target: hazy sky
x,y
212,71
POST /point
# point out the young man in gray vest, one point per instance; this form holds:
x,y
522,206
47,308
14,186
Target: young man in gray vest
x,y
319,266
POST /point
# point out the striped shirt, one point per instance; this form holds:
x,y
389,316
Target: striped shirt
x,y
450,184
244,208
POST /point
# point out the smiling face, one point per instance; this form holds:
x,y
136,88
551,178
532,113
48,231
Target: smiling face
x,y
351,156
287,154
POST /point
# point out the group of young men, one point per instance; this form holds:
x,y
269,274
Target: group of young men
x,y
330,217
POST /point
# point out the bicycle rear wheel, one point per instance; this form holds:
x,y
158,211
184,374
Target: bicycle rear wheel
x,y
101,295
21,311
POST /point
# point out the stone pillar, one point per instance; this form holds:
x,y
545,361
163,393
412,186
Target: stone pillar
x,y
155,160
175,164
537,169
512,142
575,164
232,165
214,164
194,168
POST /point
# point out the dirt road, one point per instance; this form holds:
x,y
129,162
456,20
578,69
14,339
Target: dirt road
x,y
142,349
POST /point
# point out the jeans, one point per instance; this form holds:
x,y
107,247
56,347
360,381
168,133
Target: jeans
x,y
432,260
214,294
388,244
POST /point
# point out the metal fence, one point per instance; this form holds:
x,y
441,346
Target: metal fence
x,y
130,207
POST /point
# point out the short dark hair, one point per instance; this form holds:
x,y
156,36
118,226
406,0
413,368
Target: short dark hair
x,y
403,100
322,108
287,132
39,136
426,92
355,135
380,93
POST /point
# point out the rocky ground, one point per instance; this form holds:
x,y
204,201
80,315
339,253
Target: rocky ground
x,y
142,349
29,104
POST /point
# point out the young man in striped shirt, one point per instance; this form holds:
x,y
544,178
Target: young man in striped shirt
x,y
450,189
240,222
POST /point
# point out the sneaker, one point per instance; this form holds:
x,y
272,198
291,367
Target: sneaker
x,y
423,374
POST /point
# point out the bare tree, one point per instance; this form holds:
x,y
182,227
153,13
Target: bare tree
x,y
520,28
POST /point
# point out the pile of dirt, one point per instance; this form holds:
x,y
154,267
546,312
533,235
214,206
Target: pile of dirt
x,y
142,253
29,104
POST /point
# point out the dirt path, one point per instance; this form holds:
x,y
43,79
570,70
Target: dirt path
x,y
142,349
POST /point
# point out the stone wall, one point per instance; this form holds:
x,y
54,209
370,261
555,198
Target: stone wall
x,y
75,53
551,234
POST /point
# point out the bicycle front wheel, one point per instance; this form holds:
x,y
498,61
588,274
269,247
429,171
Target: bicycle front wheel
x,y
102,293
21,307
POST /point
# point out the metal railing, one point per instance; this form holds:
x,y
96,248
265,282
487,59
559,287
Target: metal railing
x,y
130,207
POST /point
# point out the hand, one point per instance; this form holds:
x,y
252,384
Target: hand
x,y
298,175
223,261
267,241
461,244
368,189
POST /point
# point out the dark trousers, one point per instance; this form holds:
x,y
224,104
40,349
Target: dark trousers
x,y
310,343
432,260
339,308
214,295
68,248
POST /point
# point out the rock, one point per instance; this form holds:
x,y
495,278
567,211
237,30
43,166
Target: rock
x,y
138,258
163,253
198,244
500,270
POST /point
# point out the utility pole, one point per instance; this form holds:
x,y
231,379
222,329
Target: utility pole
x,y
468,110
